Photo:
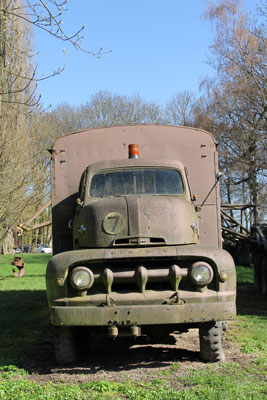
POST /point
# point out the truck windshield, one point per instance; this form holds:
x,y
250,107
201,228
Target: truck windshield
x,y
136,181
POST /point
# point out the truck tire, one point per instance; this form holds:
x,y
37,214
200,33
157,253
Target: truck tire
x,y
257,271
65,347
224,327
264,277
210,340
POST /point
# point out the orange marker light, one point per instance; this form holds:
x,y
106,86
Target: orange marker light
x,y
133,150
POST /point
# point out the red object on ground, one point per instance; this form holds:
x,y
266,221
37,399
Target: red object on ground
x,y
19,263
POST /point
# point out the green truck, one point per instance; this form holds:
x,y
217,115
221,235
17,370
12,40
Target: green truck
x,y
137,238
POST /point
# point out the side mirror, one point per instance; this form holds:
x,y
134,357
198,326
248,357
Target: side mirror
x,y
219,177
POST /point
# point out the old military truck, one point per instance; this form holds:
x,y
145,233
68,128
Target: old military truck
x,y
137,237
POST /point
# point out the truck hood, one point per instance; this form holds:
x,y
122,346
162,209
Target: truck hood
x,y
135,220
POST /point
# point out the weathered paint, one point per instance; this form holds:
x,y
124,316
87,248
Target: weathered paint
x,y
142,315
220,297
194,148
156,239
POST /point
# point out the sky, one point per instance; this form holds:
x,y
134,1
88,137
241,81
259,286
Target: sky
x,y
159,48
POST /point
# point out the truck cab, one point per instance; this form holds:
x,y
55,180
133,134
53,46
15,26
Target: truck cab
x,y
134,202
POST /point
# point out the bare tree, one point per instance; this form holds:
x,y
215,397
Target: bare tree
x,y
23,163
106,109
103,109
14,161
45,15
179,111
238,94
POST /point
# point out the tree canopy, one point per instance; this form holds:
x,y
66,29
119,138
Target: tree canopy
x,y
232,105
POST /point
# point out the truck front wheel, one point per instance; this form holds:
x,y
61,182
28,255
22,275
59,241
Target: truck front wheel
x,y
210,340
65,346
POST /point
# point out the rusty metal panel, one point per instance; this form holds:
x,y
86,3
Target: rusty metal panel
x,y
165,218
144,315
194,148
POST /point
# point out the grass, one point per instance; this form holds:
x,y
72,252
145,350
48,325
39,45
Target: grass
x,y
35,265
26,350
23,312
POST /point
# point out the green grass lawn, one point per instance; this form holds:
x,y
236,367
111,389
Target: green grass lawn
x,y
23,313
26,349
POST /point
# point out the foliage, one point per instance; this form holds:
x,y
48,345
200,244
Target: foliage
x,y
11,371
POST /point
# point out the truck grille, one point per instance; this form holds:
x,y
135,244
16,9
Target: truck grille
x,y
137,241
139,279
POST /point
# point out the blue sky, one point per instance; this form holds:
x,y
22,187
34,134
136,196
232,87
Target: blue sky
x,y
159,48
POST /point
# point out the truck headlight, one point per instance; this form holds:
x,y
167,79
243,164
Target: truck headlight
x,y
81,278
201,273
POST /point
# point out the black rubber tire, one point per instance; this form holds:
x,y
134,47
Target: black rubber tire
x,y
65,345
210,340
264,277
257,271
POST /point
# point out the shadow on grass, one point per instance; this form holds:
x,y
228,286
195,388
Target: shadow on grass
x,y
250,301
120,359
25,335
27,341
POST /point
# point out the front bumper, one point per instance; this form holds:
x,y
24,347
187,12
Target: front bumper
x,y
142,315
111,308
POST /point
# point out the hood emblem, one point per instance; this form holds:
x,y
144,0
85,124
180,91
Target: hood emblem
x,y
113,223
81,229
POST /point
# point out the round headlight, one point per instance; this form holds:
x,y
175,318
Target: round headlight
x,y
201,273
81,278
